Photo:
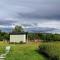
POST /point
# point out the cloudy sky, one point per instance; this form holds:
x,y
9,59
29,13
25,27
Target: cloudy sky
x,y
30,13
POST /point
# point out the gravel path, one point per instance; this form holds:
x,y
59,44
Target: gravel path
x,y
3,56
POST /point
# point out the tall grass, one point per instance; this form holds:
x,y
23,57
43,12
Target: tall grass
x,y
22,52
51,50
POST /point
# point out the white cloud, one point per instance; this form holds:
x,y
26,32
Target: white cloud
x,y
50,24
4,26
41,23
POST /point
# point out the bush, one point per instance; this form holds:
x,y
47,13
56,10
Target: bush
x,y
21,42
50,50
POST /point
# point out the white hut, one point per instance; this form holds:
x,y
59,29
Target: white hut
x,y
18,37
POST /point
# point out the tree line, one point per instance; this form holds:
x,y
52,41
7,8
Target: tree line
x,y
4,36
31,36
44,36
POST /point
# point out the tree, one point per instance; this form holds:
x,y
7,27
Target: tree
x,y
6,36
31,36
18,29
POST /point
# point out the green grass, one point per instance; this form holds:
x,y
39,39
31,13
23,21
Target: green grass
x,y
52,49
22,52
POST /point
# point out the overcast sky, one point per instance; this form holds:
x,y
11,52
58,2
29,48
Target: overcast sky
x,y
39,13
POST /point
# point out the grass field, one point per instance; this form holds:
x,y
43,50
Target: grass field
x,y
22,51
52,49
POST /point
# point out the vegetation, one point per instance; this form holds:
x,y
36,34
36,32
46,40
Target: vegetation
x,y
46,37
18,29
50,50
50,37
22,52
49,47
4,36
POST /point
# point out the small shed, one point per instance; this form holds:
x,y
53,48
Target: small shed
x,y
18,37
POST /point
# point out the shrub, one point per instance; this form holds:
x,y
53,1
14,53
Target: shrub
x,y
21,42
50,50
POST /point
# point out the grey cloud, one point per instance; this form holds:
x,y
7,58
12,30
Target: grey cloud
x,y
39,8
28,11
35,30
41,29
6,22
38,16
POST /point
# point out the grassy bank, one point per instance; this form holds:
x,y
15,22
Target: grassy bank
x,y
51,50
22,52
